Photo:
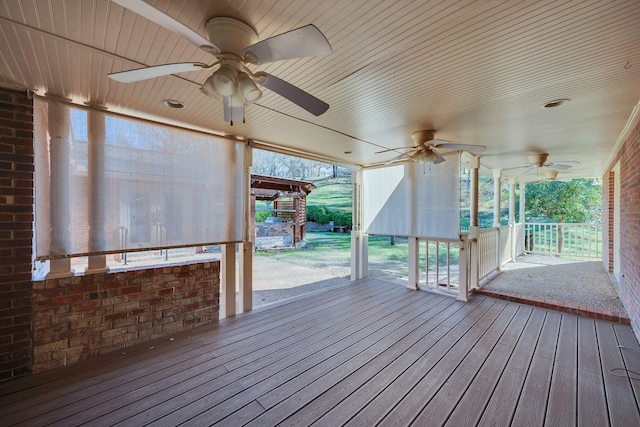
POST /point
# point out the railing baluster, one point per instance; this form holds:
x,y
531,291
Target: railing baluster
x,y
427,266
437,264
579,240
448,266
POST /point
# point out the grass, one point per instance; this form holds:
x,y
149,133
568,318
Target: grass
x,y
332,252
333,193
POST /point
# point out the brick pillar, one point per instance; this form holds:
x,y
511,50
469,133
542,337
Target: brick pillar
x,y
16,233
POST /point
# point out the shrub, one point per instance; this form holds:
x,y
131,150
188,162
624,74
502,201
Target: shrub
x,y
262,215
322,215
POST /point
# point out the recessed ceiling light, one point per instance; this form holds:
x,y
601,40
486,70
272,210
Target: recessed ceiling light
x,y
348,152
173,103
556,102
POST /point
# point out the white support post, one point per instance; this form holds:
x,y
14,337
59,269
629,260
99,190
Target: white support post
x,y
474,255
512,219
59,268
523,190
96,175
228,280
497,178
246,277
512,201
414,264
359,240
246,248
463,264
97,264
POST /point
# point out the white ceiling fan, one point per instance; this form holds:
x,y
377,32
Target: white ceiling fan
x,y
424,148
539,161
235,45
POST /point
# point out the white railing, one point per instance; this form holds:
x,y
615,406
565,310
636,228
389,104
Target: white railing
x,y
497,246
505,244
519,238
488,253
444,266
563,239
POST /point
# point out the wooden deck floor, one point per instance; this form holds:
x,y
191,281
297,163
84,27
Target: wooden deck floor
x,y
370,353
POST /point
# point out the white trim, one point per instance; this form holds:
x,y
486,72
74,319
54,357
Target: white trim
x,y
631,124
616,222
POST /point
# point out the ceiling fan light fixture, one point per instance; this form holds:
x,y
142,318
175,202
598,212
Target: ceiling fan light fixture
x,y
224,80
248,88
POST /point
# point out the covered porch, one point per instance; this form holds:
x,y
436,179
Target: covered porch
x,y
370,353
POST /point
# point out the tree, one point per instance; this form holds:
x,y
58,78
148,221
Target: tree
x,y
578,200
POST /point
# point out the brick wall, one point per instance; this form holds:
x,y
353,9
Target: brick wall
x,y
16,217
629,286
80,317
51,323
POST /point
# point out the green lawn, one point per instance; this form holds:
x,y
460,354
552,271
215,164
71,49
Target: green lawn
x,y
333,193
332,252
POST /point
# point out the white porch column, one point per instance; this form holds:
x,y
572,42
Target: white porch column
x,y
497,177
228,280
512,201
523,189
414,263
246,248
474,165
512,218
359,240
246,277
96,133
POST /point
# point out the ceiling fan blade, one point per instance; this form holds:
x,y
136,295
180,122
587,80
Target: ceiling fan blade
x,y
294,94
559,166
156,71
567,162
298,43
394,149
149,12
232,113
526,171
439,158
395,159
463,147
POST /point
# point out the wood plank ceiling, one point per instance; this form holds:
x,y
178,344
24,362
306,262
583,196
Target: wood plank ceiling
x,y
477,71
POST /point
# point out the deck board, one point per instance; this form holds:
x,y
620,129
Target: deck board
x,y
470,408
592,402
533,399
502,405
368,353
561,409
623,409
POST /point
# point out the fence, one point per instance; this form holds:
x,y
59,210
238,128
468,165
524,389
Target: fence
x,y
563,239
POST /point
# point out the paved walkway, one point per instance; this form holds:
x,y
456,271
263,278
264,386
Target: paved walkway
x,y
574,286
275,280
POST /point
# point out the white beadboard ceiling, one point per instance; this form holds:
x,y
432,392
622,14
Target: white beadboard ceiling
x,y
476,71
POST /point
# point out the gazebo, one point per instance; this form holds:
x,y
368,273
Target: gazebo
x,y
289,197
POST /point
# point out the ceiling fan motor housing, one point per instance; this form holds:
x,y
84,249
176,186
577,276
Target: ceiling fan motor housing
x,y
538,158
230,35
422,136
